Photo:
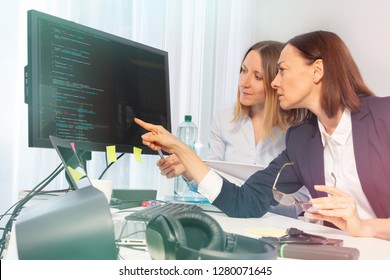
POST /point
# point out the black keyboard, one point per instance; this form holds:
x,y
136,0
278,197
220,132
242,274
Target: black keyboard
x,y
169,208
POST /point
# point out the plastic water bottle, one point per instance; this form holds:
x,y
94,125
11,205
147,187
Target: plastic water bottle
x,y
188,133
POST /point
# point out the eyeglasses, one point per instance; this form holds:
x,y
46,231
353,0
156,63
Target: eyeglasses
x,y
287,199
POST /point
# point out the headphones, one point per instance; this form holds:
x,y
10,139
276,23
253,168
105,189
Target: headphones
x,y
192,235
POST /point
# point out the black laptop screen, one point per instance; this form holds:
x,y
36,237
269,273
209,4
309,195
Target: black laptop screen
x,y
73,165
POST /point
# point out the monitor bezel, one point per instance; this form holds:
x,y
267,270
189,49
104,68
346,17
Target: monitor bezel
x,y
32,84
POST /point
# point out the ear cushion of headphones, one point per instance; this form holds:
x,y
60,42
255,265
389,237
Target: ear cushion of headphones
x,y
182,236
201,231
192,235
163,236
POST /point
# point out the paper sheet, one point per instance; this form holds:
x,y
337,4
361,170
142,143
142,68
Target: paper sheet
x,y
236,170
270,232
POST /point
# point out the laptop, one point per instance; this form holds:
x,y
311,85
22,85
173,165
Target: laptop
x,y
121,198
74,168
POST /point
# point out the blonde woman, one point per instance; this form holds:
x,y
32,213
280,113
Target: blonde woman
x,y
253,129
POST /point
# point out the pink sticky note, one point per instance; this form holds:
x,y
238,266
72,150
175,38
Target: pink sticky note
x,y
73,147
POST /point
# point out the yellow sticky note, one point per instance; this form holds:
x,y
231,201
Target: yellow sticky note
x,y
137,154
76,175
111,154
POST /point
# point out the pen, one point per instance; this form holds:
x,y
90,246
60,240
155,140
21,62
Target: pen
x,y
160,153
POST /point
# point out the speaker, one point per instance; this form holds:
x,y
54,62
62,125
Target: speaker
x,y
192,235
74,226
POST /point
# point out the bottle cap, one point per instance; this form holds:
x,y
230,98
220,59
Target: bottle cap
x,y
188,118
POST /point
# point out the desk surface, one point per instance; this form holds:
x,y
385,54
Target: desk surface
x,y
370,248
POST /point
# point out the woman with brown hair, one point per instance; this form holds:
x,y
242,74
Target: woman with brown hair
x,y
340,151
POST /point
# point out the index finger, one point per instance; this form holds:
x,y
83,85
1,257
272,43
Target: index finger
x,y
143,124
155,129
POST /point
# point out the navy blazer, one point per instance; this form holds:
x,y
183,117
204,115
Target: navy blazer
x,y
371,139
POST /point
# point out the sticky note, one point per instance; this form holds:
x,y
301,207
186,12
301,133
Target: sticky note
x,y
73,147
111,154
137,154
76,175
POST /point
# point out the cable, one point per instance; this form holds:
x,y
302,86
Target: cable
x,y
40,186
105,170
17,207
34,190
294,232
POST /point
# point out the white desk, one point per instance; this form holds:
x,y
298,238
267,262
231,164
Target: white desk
x,y
370,248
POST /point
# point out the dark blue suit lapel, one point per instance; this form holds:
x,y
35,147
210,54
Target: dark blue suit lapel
x,y
317,158
363,158
372,153
360,143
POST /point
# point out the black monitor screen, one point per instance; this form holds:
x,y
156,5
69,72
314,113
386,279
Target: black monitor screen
x,y
87,86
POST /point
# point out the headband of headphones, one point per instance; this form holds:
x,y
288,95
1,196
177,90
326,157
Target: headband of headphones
x,y
193,235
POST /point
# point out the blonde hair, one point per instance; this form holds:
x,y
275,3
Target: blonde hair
x,y
274,115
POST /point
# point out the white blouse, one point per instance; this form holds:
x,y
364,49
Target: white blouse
x,y
235,141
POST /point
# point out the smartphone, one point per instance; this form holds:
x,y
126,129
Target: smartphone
x,y
334,242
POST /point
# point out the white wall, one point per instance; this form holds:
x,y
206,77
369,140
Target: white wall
x,y
363,25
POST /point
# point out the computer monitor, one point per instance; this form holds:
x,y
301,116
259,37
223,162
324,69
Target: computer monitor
x,y
86,86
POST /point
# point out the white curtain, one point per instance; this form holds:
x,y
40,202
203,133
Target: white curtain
x,y
205,40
